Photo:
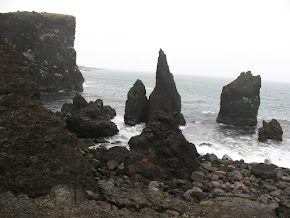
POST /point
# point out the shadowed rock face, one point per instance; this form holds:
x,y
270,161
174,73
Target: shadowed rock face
x,y
165,96
271,130
89,120
161,152
36,151
136,104
240,101
46,43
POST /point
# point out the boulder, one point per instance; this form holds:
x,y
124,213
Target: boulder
x,y
161,152
240,101
165,96
136,104
117,153
265,171
271,130
37,152
46,43
89,120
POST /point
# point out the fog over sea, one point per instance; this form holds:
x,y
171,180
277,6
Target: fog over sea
x,y
200,98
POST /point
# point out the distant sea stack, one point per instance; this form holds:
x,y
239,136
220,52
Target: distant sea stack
x,y
165,96
240,101
136,104
270,130
46,43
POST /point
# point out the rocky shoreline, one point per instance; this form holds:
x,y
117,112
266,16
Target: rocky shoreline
x,y
46,171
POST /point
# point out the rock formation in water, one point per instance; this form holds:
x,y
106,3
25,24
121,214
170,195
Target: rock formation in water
x,y
240,101
89,120
161,152
165,96
37,152
46,43
136,104
271,130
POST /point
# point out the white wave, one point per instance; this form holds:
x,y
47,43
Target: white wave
x,y
208,112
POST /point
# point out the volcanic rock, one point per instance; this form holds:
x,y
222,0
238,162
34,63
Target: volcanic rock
x,y
165,96
46,43
136,104
161,152
37,152
265,171
240,101
89,120
271,130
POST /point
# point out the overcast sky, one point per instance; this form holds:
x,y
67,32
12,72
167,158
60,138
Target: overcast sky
x,y
199,37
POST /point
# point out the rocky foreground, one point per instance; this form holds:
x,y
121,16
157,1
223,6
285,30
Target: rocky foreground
x,y
219,188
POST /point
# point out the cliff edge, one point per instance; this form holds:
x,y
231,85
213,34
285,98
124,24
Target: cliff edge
x,y
46,43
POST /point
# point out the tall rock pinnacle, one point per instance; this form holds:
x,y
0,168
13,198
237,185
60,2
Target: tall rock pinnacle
x,y
165,96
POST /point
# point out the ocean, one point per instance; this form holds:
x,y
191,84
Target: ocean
x,y
200,98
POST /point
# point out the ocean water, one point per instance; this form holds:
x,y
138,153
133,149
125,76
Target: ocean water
x,y
200,98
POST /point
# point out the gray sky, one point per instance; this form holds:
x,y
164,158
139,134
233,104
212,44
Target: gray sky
x,y
199,37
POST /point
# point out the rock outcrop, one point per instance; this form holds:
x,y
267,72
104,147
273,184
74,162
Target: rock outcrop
x,y
89,120
240,101
165,96
161,152
136,104
46,43
271,130
36,151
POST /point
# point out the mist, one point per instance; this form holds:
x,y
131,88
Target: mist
x,y
207,38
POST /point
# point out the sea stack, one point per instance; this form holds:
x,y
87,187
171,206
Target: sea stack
x,y
161,152
46,43
165,96
240,101
136,104
271,130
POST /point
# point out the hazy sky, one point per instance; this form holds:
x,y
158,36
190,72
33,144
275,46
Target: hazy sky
x,y
199,37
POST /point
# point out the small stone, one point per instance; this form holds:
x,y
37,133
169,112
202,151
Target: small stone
x,y
241,186
213,177
237,176
285,179
215,184
269,187
277,193
195,192
264,199
218,192
112,165
198,177
227,157
91,195
95,163
153,185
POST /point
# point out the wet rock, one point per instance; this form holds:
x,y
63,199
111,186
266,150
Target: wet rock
x,y
89,120
136,104
265,171
161,152
271,130
46,45
165,96
240,101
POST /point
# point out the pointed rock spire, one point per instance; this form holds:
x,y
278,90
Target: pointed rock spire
x,y
165,96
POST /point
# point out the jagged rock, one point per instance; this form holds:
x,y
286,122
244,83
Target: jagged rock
x,y
89,120
46,43
165,96
136,104
271,130
240,101
161,152
37,152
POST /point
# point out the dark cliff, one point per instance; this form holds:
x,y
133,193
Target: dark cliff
x,y
36,151
46,43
